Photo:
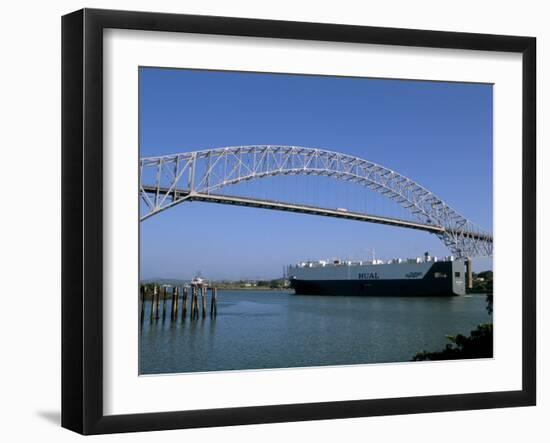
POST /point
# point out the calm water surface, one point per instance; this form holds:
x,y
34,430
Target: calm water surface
x,y
271,329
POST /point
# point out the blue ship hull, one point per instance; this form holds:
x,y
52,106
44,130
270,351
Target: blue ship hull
x,y
432,284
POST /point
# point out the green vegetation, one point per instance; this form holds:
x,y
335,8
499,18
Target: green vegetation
x,y
278,283
479,344
483,283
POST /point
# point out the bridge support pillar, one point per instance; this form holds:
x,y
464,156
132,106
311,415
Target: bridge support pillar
x,y
469,277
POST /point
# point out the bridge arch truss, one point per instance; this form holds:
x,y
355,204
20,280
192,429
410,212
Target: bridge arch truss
x,y
169,180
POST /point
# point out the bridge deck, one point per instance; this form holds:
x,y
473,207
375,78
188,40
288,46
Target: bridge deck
x,y
291,207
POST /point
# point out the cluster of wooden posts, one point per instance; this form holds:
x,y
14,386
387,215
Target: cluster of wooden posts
x,y
195,308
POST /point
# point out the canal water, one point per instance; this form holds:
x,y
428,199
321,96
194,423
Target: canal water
x,y
272,329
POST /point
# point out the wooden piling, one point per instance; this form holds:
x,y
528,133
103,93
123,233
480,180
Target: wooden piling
x,y
203,296
154,313
193,297
184,307
175,297
142,301
191,303
164,295
213,302
196,302
158,302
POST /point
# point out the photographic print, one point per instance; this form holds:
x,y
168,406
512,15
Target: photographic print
x,y
295,218
292,221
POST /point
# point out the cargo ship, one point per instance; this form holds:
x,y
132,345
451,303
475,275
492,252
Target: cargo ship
x,y
420,276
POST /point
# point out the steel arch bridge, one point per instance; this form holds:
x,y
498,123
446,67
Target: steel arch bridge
x,y
172,179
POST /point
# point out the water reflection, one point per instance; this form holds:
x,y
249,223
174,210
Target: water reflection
x,y
256,329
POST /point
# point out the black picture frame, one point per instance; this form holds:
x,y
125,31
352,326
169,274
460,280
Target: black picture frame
x,y
82,215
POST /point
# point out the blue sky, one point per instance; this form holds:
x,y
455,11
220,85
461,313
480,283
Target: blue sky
x,y
437,133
